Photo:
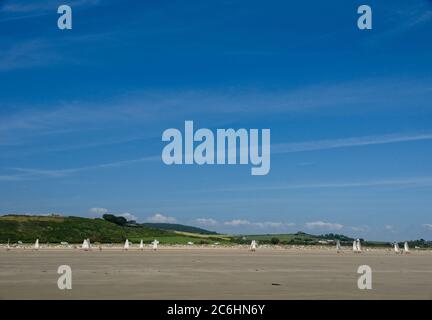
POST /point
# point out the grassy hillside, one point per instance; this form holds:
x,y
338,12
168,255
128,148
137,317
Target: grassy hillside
x,y
178,227
55,229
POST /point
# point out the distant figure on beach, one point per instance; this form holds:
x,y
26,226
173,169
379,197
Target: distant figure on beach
x,y
253,246
126,245
141,246
155,244
36,245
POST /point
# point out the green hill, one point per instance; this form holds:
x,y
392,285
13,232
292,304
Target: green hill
x,y
55,229
177,227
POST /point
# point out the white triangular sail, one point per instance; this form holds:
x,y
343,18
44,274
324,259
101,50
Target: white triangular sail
x,y
359,248
85,245
88,243
126,245
155,244
36,245
338,245
141,245
253,245
406,247
396,247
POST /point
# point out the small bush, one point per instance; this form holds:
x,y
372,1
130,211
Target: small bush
x,y
275,240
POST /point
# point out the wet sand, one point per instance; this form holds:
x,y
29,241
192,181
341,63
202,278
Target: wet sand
x,y
213,273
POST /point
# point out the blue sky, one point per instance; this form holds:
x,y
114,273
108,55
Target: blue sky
x,y
82,112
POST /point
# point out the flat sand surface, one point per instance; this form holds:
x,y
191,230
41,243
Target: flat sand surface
x,y
213,273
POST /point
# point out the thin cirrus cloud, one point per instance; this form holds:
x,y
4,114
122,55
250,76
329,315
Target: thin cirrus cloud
x,y
321,225
428,226
31,53
206,222
42,51
160,218
347,142
265,224
360,228
98,211
401,21
33,6
29,173
141,105
34,173
407,182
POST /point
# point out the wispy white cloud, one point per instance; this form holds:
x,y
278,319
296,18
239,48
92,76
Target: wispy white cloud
x,y
206,222
428,226
144,107
390,228
274,224
360,228
280,148
129,216
347,142
265,224
31,6
31,53
403,182
22,17
14,177
405,17
98,211
321,225
160,218
28,174
237,222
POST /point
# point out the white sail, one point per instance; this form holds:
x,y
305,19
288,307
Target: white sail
x,y
155,244
396,247
36,245
126,245
85,245
355,246
141,245
253,245
406,247
338,245
359,248
88,243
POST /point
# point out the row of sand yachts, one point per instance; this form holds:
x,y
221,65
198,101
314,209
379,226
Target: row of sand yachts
x,y
356,247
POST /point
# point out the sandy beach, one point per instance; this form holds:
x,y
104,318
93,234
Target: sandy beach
x,y
213,273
